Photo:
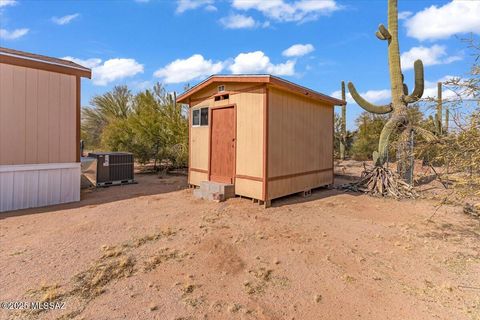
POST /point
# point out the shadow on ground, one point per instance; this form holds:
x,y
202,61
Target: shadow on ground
x,y
95,196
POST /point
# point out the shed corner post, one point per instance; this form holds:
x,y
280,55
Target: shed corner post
x,y
265,146
78,116
189,119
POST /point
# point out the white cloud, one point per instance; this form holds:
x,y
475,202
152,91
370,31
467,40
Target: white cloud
x,y
372,96
12,34
65,19
258,62
403,15
280,10
238,21
183,70
110,70
458,16
430,56
142,1
211,8
88,63
184,5
6,3
298,50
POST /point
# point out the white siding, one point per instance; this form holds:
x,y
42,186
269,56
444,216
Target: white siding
x,y
28,186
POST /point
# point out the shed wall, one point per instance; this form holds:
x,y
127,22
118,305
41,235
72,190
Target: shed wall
x,y
248,99
300,144
37,116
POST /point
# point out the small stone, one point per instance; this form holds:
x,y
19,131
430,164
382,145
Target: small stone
x,y
153,307
318,298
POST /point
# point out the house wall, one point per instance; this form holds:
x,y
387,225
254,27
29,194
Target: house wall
x,y
38,138
249,101
300,143
37,116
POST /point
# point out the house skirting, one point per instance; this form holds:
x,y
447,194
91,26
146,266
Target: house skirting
x,y
38,185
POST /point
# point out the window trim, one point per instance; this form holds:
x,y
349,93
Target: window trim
x,y
199,109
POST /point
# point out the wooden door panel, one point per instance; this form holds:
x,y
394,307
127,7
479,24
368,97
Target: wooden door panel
x,y
222,158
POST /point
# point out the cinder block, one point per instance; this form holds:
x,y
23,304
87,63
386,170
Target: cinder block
x,y
214,191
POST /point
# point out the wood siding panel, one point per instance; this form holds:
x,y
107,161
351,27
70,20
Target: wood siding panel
x,y
54,118
31,143
300,140
197,177
249,130
248,188
65,144
6,113
43,115
17,122
199,148
37,116
284,187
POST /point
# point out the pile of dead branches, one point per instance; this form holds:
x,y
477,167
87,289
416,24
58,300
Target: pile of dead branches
x,y
381,182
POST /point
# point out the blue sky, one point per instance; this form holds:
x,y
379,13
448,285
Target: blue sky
x,y
316,43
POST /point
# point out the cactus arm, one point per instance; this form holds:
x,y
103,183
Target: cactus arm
x,y
419,83
425,134
383,33
367,105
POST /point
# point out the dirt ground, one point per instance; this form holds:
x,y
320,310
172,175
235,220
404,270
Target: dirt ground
x,y
152,251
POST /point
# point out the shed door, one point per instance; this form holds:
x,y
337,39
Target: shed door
x,y
222,148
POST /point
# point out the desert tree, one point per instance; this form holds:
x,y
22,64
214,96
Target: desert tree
x,y
105,109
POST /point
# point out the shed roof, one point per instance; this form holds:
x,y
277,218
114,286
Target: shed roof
x,y
36,61
261,78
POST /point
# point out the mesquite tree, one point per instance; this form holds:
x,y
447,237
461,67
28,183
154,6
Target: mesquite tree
x,y
399,121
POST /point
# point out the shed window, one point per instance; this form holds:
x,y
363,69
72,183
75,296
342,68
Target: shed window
x,y
221,88
204,117
200,117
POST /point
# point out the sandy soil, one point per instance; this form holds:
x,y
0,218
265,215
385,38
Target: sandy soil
x,y
152,251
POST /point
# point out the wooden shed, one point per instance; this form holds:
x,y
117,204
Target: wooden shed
x,y
265,135
39,130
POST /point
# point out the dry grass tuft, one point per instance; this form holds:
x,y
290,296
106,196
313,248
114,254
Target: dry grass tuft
x,y
162,256
91,283
153,237
46,293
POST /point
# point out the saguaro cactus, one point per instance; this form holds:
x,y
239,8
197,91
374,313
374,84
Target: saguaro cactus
x,y
439,115
399,121
343,134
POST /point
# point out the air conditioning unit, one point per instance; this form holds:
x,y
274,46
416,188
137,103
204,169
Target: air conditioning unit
x,y
104,169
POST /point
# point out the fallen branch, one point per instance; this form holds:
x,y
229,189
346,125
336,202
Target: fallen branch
x,y
438,176
381,182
